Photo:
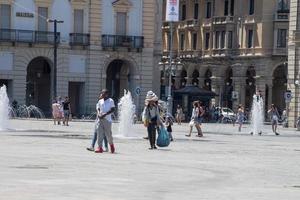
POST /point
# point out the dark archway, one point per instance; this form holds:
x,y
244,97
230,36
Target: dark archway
x,y
38,84
118,78
183,77
207,81
279,86
195,77
250,87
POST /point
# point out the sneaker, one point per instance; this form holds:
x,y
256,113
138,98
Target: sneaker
x,y
99,150
90,149
112,148
277,134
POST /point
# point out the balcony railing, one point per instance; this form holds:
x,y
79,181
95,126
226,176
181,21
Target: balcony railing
x,y
115,41
79,39
223,19
27,36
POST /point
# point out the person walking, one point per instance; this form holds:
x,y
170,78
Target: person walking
x,y
97,121
195,120
56,112
179,114
151,117
273,112
106,108
201,112
61,109
67,111
240,117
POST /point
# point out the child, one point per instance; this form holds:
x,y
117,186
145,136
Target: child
x,y
169,123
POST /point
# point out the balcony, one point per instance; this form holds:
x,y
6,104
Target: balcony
x,y
27,36
281,17
192,24
79,39
223,20
117,41
190,54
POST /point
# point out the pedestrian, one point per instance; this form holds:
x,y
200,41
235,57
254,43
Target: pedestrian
x,y
67,110
179,114
151,117
273,112
168,124
56,112
195,120
200,118
97,121
240,117
105,110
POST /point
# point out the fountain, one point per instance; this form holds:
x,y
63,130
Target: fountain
x,y
257,113
4,108
126,114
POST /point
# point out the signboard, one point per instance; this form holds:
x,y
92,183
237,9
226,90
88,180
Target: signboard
x,y
172,11
138,91
24,14
288,96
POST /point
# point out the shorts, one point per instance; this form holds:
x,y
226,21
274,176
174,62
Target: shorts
x,y
198,120
274,122
66,113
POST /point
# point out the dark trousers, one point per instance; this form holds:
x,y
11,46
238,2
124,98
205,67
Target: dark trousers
x,y
152,133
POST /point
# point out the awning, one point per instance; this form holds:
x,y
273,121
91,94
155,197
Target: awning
x,y
195,91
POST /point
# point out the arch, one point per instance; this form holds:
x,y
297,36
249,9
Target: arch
x,y
183,77
250,86
279,86
195,77
228,88
120,75
38,84
207,80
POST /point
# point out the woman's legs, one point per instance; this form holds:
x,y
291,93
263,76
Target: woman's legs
x,y
190,133
240,127
151,135
198,126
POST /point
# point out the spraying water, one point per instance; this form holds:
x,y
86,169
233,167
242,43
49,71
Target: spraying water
x,y
4,108
126,115
257,113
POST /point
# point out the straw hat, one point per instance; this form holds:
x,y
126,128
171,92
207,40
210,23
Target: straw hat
x,y
151,96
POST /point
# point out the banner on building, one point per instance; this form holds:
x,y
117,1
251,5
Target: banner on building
x,y
172,10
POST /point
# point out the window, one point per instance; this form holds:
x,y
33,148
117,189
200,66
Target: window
x,y
226,6
5,16
183,12
208,10
283,5
250,39
217,40
229,41
121,23
281,38
196,11
207,37
232,7
223,39
42,18
78,21
182,42
251,7
169,41
194,41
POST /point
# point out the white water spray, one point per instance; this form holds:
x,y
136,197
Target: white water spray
x,y
126,115
4,108
257,113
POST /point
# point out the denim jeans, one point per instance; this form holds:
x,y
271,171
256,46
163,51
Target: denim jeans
x,y
152,133
95,139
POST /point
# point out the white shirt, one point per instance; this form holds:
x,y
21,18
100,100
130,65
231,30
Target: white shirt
x,y
105,106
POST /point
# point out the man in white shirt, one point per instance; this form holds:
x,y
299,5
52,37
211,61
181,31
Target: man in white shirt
x,y
106,107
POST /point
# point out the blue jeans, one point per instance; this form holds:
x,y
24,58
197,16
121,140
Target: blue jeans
x,y
95,140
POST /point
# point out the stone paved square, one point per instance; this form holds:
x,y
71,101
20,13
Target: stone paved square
x,y
42,161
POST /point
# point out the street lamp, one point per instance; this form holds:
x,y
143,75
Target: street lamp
x,y
171,68
55,54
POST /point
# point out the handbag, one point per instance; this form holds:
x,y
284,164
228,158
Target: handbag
x,y
163,139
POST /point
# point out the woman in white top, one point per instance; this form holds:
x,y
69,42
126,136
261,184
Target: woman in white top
x,y
195,119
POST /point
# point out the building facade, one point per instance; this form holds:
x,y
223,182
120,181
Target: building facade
x,y
293,63
231,47
112,44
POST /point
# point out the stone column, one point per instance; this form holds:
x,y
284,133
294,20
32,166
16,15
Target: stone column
x,y
201,82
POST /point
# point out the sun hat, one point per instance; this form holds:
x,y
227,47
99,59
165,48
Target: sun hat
x,y
151,96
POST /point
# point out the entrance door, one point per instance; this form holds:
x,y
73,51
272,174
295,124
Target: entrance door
x,y
38,85
76,96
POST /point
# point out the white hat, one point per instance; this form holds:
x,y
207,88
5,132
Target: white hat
x,y
151,96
